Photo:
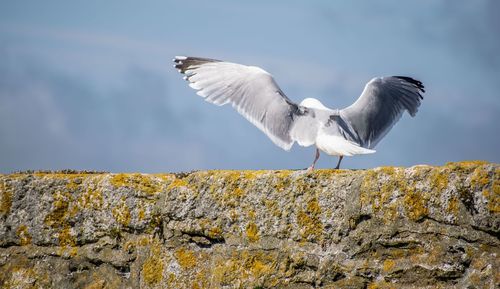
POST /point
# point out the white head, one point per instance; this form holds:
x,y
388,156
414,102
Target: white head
x,y
313,103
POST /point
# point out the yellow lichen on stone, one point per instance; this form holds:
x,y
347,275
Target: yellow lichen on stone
x,y
58,216
251,214
233,215
185,258
493,198
415,205
212,230
388,170
378,194
144,241
387,189
388,265
327,173
313,207
464,166
381,285
66,238
215,232
176,183
439,179
245,267
5,198
171,280
97,284
152,269
73,252
480,178
71,186
368,189
273,207
229,188
311,227
121,213
282,181
283,174
251,175
238,192
492,195
137,182
21,278
23,235
453,205
141,214
201,280
252,232
259,267
91,199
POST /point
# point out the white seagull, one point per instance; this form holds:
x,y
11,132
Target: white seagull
x,y
350,131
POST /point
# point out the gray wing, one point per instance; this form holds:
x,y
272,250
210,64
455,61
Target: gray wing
x,y
381,105
249,89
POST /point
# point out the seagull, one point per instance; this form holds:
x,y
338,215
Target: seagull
x,y
254,93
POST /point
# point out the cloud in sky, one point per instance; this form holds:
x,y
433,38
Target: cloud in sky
x,y
99,92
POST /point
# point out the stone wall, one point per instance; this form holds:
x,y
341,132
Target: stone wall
x,y
380,228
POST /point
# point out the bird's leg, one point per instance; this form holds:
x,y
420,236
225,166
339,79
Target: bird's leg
x,y
338,164
315,160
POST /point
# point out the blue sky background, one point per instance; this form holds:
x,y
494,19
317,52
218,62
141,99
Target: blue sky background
x,y
90,84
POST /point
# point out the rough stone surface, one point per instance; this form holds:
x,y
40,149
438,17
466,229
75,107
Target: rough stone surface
x,y
418,227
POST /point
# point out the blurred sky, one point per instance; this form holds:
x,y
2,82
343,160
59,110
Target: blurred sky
x,y
90,84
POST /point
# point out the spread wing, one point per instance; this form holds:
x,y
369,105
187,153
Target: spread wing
x,y
381,105
249,89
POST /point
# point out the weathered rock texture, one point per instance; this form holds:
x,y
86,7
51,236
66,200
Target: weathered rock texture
x,y
382,228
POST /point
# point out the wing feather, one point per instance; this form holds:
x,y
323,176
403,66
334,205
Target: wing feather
x,y
381,105
250,90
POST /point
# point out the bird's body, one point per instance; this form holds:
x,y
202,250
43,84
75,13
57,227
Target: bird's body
x,y
340,132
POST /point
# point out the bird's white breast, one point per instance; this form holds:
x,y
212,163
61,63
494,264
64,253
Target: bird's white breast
x,y
338,146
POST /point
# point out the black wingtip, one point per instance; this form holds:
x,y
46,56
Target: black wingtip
x,y
417,83
183,63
